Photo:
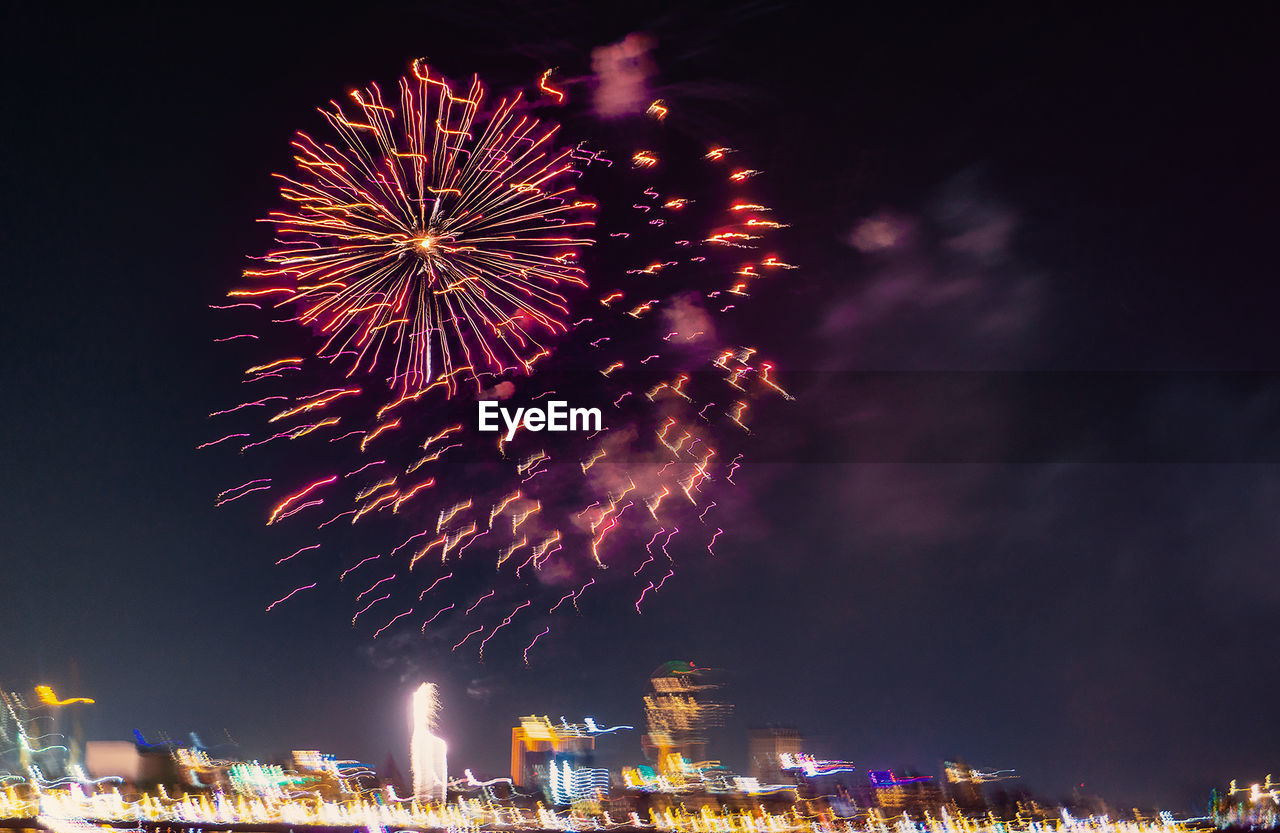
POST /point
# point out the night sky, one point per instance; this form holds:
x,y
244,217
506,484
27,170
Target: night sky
x,y
1024,509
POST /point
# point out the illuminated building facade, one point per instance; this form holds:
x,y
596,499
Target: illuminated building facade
x,y
558,759
536,743
679,709
914,795
567,784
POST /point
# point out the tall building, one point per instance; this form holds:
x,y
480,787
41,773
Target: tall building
x,y
679,709
536,743
559,758
765,746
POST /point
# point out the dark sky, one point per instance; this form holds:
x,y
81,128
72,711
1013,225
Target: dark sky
x,y
1024,509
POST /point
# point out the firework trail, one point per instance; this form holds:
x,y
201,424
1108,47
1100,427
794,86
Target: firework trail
x,y
442,247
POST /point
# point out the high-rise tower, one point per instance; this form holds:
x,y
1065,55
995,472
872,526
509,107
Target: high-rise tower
x,y
679,709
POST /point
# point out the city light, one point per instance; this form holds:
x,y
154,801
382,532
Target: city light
x,y
555,783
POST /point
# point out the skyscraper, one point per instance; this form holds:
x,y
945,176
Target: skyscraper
x,y
679,709
536,743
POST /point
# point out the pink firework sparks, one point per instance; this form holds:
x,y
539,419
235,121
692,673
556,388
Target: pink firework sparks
x,y
212,443
529,647
437,616
379,631
642,595
465,638
479,600
362,561
369,605
433,585
291,595
503,624
299,552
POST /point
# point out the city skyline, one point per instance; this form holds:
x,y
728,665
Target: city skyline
x,y
1020,510
560,761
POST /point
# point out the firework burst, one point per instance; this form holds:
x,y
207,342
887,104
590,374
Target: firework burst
x,y
432,238
431,246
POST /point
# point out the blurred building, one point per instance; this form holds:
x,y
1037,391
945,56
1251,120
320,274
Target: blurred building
x,y
679,709
11,737
558,759
814,777
323,772
126,760
1256,806
915,795
34,745
765,748
567,784
536,743
964,787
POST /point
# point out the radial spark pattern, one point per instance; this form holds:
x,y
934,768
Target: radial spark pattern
x,y
431,238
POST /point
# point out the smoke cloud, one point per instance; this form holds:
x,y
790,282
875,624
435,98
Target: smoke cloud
x,y
622,71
